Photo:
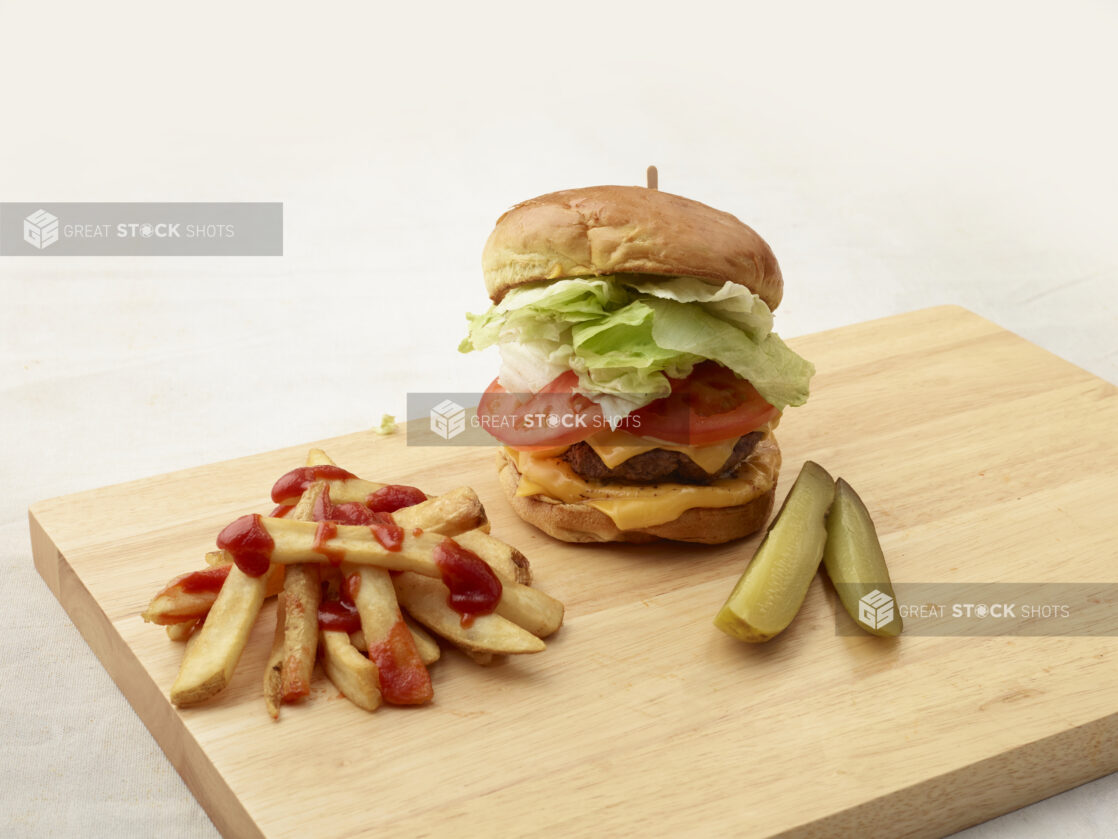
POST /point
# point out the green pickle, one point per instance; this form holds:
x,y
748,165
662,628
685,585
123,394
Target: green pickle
x,y
775,583
856,565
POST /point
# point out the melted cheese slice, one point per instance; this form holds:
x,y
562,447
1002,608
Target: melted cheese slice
x,y
615,447
633,507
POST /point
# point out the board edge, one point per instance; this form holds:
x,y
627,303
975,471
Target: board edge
x,y
157,714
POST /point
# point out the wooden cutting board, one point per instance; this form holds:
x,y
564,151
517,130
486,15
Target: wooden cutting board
x,y
982,458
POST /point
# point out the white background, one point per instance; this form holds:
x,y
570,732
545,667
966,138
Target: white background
x,y
893,157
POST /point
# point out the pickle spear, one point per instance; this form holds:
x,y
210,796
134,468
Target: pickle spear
x,y
773,587
856,565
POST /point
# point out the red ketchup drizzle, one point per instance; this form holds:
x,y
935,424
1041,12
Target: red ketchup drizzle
x,y
390,498
249,544
338,616
403,678
387,532
350,512
341,615
295,482
281,511
326,531
474,588
206,580
384,529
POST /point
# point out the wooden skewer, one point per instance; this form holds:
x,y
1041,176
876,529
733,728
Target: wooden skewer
x,y
652,177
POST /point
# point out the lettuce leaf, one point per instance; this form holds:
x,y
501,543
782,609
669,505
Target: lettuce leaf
x,y
624,335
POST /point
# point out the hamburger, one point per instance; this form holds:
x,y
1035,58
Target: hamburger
x,y
640,378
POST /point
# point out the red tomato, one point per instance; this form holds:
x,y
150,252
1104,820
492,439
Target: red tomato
x,y
556,416
710,405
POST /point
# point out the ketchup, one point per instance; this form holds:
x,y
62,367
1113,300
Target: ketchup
x,y
338,616
295,482
387,532
384,529
474,588
341,615
390,498
350,512
206,580
403,678
281,511
249,544
326,531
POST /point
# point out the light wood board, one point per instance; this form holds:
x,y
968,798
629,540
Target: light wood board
x,y
981,457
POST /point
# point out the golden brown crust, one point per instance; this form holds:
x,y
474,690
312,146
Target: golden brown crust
x,y
582,523
625,229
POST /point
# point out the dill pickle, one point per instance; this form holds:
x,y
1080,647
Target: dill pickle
x,y
773,587
856,564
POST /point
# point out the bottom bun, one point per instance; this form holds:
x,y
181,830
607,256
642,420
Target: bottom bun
x,y
583,523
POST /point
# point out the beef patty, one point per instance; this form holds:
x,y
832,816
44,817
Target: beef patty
x,y
656,466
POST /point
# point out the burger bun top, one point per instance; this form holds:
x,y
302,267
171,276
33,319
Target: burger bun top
x,y
626,230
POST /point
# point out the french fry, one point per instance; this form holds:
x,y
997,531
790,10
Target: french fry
x,y
317,457
342,490
181,631
275,573
425,645
428,647
304,509
209,661
404,679
506,561
455,512
425,599
301,593
189,597
273,672
530,609
350,671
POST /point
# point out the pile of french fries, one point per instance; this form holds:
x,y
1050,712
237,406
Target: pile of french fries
x,y
398,595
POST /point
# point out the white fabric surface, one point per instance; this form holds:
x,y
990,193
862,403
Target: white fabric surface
x,y
894,158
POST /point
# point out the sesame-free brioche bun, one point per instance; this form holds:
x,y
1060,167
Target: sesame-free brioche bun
x,y
576,522
625,230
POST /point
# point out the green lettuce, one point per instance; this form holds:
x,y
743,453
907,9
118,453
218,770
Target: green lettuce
x,y
625,335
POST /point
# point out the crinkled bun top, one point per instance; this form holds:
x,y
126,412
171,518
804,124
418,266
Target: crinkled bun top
x,y
625,230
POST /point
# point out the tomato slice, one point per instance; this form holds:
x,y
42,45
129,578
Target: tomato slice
x,y
710,405
557,416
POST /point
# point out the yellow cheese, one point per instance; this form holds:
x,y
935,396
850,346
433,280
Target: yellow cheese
x,y
632,507
615,447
